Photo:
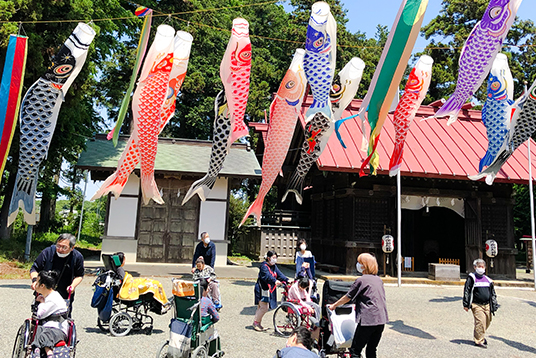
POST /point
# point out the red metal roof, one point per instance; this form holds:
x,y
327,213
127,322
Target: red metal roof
x,y
432,148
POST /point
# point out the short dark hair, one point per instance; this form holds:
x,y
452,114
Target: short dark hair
x,y
71,238
304,282
300,241
48,278
203,284
270,254
303,336
203,234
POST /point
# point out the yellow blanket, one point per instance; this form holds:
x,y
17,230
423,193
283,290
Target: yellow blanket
x,y
133,288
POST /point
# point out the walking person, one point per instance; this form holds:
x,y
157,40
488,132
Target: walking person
x,y
368,294
479,296
205,248
265,289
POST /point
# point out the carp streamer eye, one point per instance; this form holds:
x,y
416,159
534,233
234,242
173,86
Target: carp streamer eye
x,y
495,12
63,70
290,84
245,55
318,42
533,93
495,86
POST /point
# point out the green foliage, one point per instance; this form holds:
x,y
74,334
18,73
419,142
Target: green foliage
x,y
238,206
453,25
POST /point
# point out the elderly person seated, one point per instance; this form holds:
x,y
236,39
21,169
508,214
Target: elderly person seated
x,y
203,271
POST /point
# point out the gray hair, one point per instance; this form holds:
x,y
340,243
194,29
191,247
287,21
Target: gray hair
x,y
71,238
203,234
479,262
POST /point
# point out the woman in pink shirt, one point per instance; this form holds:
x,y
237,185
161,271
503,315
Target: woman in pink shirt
x,y
301,291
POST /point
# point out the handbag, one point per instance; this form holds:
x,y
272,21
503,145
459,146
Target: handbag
x,y
106,311
179,339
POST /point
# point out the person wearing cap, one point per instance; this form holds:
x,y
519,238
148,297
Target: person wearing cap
x,y
265,289
205,248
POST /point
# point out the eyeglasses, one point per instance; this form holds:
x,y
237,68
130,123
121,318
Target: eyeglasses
x,y
63,247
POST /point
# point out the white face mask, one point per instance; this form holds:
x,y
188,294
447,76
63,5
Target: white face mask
x,y
273,261
303,247
62,255
359,267
206,240
480,270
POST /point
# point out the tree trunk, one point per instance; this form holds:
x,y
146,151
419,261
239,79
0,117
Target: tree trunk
x,y
5,231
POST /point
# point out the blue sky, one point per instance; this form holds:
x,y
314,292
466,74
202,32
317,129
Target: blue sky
x,y
365,15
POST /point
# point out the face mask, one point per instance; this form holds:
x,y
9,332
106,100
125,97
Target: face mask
x,y
206,240
480,270
303,247
62,255
273,261
359,267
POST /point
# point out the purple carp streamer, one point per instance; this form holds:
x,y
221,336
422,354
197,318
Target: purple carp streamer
x,y
38,116
478,53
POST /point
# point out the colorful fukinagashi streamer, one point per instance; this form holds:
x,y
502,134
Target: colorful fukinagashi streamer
x,y
284,112
131,154
142,47
10,93
383,88
522,127
343,91
319,67
39,114
482,45
235,70
497,110
414,93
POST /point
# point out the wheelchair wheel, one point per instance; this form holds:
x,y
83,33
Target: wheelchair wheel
x,y
200,352
286,319
120,324
19,349
105,326
162,352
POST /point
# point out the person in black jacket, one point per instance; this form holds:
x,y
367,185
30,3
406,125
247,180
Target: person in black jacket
x,y
206,249
63,258
479,296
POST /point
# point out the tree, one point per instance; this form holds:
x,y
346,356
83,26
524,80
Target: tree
x,y
454,24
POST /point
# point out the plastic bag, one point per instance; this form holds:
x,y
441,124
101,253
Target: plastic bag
x,y
343,327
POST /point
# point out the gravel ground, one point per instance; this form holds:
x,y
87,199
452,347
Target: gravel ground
x,y
424,322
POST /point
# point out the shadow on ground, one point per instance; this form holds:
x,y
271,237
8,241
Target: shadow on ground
x,y
400,327
446,299
514,344
243,283
16,286
463,341
133,332
248,311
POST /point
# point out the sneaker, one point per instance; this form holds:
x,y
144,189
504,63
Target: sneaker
x,y
218,306
257,326
485,341
481,345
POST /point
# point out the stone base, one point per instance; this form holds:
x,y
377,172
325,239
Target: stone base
x,y
443,272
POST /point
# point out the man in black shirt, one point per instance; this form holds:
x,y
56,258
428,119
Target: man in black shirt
x,y
205,248
66,261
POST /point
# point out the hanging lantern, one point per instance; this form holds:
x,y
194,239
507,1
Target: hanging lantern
x,y
388,244
492,249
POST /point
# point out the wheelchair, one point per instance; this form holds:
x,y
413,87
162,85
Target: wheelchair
x,y
290,314
27,331
205,340
126,315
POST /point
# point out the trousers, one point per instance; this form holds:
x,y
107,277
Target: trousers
x,y
482,315
366,336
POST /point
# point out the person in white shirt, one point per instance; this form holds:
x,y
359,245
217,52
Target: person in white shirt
x,y
51,313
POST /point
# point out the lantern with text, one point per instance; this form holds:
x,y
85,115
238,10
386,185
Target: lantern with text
x,y
492,249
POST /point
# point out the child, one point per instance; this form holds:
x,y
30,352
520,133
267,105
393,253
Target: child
x,y
479,296
51,313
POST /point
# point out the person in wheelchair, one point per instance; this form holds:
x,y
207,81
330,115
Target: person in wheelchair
x,y
51,313
207,307
300,292
207,272
299,345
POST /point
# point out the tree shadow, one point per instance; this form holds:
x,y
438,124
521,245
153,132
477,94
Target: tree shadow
x,y
514,344
400,327
463,341
248,311
446,299
243,283
16,286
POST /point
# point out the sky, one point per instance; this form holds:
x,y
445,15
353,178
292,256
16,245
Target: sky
x,y
365,15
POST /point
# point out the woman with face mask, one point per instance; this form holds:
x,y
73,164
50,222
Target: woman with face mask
x,y
265,289
368,294
304,259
